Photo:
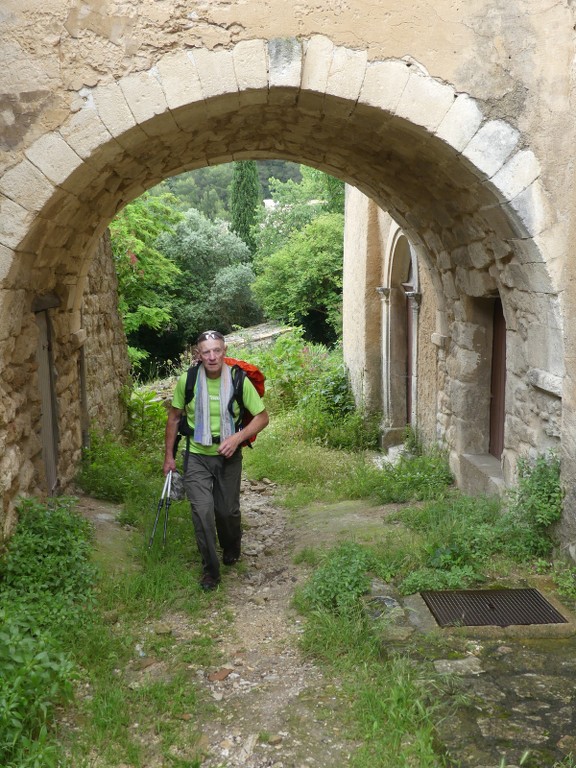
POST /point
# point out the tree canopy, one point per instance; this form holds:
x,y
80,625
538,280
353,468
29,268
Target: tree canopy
x,y
301,283
246,198
141,267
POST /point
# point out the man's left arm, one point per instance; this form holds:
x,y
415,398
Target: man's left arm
x,y
259,421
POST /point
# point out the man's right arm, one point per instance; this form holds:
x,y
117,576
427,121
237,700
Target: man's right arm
x,y
170,438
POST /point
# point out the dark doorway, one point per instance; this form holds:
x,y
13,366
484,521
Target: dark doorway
x,y
49,428
498,381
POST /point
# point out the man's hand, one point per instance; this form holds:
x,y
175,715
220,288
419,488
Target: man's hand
x,y
169,465
228,447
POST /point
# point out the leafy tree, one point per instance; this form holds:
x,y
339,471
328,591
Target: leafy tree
x,y
282,170
206,189
141,268
296,205
302,282
213,287
232,301
246,196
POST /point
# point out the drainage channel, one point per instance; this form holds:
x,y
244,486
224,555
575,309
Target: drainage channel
x,y
491,607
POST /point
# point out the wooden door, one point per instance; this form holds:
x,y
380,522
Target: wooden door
x,y
48,424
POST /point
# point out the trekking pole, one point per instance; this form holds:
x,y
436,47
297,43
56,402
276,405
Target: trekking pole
x,y
167,484
167,507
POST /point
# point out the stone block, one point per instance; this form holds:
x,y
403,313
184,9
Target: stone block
x,y
491,146
346,74
461,122
527,277
54,158
115,113
27,186
464,334
12,307
216,71
250,60
546,381
145,97
425,101
449,288
15,221
473,282
85,132
179,79
285,63
7,257
533,209
318,54
545,350
480,256
519,172
384,84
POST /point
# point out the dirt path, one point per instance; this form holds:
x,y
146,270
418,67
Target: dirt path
x,y
264,705
273,706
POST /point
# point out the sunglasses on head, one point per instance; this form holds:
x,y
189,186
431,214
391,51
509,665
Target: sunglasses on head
x,y
209,335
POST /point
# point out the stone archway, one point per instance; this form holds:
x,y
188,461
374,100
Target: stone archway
x,y
460,184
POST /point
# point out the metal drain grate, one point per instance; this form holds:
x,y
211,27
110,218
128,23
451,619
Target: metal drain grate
x,y
491,607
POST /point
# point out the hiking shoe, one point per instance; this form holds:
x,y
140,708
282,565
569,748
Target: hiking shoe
x,y
231,556
208,583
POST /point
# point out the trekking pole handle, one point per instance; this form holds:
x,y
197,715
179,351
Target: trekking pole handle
x,y
167,483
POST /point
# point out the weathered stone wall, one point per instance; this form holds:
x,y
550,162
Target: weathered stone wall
x,y
107,367
429,386
86,398
362,314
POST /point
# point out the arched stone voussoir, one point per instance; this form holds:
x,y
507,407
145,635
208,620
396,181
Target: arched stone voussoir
x,y
117,116
216,71
490,147
285,63
384,83
425,101
26,185
345,77
147,102
461,122
534,209
56,159
15,222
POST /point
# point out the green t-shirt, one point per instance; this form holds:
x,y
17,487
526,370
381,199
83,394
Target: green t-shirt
x,y
252,402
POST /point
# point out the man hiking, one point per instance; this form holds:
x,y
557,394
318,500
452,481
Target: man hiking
x,y
213,466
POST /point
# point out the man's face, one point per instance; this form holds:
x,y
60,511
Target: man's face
x,y
211,353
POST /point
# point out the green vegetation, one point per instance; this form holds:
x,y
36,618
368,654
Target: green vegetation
x,y
67,627
301,283
187,255
46,590
141,267
394,700
246,197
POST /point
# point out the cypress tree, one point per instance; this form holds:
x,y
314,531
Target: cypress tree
x,y
246,195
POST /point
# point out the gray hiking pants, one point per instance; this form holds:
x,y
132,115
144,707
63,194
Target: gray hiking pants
x,y
213,488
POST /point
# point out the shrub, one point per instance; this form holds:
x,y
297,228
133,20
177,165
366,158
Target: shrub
x,y
47,569
46,583
111,470
35,678
534,506
415,478
338,583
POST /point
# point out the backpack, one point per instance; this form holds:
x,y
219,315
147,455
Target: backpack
x,y
240,369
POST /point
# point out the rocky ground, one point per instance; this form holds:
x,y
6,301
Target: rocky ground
x,y
267,706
